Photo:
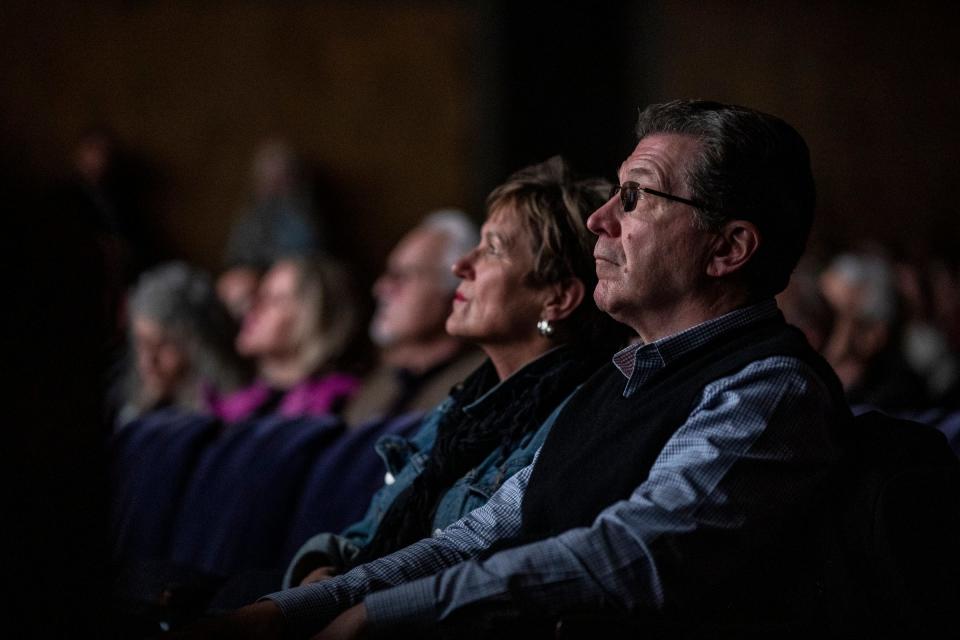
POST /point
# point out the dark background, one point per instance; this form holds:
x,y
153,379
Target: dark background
x,y
399,108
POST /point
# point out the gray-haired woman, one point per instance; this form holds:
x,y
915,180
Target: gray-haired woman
x,y
182,343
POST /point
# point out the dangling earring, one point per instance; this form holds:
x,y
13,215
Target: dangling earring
x,y
545,328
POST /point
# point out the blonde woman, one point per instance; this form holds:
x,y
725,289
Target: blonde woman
x,y
300,331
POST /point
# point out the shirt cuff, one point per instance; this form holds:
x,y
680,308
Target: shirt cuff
x,y
407,606
304,609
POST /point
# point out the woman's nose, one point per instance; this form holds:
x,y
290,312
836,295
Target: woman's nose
x,y
463,267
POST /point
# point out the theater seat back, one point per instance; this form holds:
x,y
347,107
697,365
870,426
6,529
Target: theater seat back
x,y
900,522
238,506
343,480
152,460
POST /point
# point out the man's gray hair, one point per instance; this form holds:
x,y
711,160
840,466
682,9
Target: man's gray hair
x,y
328,316
462,235
751,166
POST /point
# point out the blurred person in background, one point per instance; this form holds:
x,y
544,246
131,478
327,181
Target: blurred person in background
x,y
281,220
925,341
107,193
419,360
93,161
804,306
237,288
945,288
865,346
524,299
107,196
302,333
182,342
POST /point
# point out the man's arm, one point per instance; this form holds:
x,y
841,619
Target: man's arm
x,y
756,450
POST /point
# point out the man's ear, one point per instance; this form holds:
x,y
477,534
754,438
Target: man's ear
x,y
562,299
733,245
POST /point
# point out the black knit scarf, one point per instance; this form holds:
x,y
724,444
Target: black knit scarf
x,y
463,440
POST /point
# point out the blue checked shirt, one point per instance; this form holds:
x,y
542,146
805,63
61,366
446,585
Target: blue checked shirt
x,y
774,411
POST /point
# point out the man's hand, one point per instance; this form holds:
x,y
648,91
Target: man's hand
x,y
349,625
319,575
258,620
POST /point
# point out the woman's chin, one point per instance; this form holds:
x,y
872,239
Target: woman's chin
x,y
455,330
454,325
461,330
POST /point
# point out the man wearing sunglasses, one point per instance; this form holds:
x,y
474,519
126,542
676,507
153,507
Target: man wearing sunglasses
x,y
683,489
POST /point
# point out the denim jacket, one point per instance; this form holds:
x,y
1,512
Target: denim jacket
x,y
405,459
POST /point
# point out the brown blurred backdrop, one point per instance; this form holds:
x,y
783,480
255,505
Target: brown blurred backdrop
x,y
400,107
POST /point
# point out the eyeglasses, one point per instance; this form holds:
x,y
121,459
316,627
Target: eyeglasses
x,y
631,193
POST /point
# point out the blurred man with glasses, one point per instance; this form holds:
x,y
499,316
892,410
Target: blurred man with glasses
x,y
419,360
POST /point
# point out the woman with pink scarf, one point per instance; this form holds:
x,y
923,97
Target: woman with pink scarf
x,y
300,331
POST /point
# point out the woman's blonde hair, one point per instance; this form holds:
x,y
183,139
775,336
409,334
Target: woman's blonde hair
x,y
553,208
327,327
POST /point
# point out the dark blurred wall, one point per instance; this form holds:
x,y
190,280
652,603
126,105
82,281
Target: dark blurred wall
x,y
567,82
401,107
377,95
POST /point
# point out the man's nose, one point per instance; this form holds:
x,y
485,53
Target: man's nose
x,y
148,359
604,220
379,286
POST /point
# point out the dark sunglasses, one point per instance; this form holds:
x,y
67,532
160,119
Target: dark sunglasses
x,y
631,193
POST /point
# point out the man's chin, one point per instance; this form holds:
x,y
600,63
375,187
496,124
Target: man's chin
x,y
607,302
381,338
601,296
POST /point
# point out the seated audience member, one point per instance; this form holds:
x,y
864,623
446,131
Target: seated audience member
x,y
182,339
280,221
804,306
926,347
523,299
237,289
865,346
680,488
420,361
944,276
300,332
107,199
107,195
